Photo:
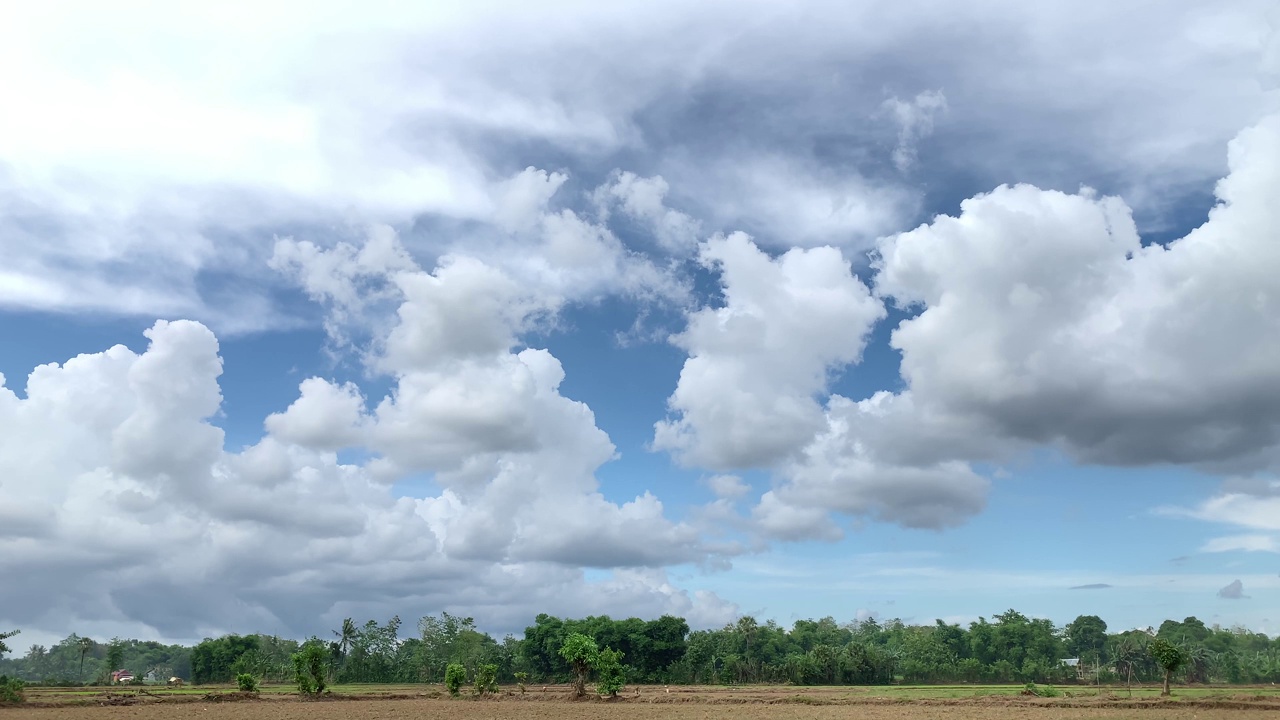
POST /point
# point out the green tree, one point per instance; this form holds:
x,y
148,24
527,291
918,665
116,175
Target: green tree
x,y
115,655
609,674
449,639
582,654
1086,637
1169,657
219,660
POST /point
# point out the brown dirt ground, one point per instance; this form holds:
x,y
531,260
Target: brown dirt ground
x,y
706,708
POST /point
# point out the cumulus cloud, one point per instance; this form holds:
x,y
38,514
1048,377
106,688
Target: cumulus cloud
x,y
727,487
787,521
1043,315
747,395
1040,318
514,458
841,470
750,395
117,485
1233,591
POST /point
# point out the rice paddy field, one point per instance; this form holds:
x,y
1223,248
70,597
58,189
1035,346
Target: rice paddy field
x,y
383,702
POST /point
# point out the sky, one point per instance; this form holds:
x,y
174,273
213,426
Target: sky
x,y
899,310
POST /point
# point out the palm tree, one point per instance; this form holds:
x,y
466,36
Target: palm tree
x,y
346,638
1199,661
5,636
347,635
86,644
36,655
1128,650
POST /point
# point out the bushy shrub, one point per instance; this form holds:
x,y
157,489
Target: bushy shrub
x,y
609,677
1047,691
309,667
454,676
247,682
522,679
486,679
12,690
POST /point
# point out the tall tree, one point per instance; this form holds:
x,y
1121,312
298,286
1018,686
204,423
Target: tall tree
x,y
115,655
347,635
582,654
86,644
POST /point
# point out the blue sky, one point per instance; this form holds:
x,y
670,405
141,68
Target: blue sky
x,y
830,309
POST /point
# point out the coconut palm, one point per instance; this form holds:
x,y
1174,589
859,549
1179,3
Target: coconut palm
x,y
346,636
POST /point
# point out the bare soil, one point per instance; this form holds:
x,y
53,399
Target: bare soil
x,y
768,704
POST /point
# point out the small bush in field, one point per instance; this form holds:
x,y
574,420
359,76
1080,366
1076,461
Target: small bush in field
x,y
609,674
12,690
247,682
454,675
309,668
486,679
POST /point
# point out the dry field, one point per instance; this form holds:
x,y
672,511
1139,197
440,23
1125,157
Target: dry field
x,y
647,703
428,709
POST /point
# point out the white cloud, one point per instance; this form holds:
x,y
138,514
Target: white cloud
x,y
727,487
842,470
560,255
1243,509
747,395
750,396
122,504
325,416
785,202
644,199
1248,543
1044,317
784,521
145,175
1042,320
915,122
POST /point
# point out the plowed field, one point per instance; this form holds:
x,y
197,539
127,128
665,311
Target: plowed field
x,y
678,703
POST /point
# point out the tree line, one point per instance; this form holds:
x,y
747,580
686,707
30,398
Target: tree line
x,y
1010,647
